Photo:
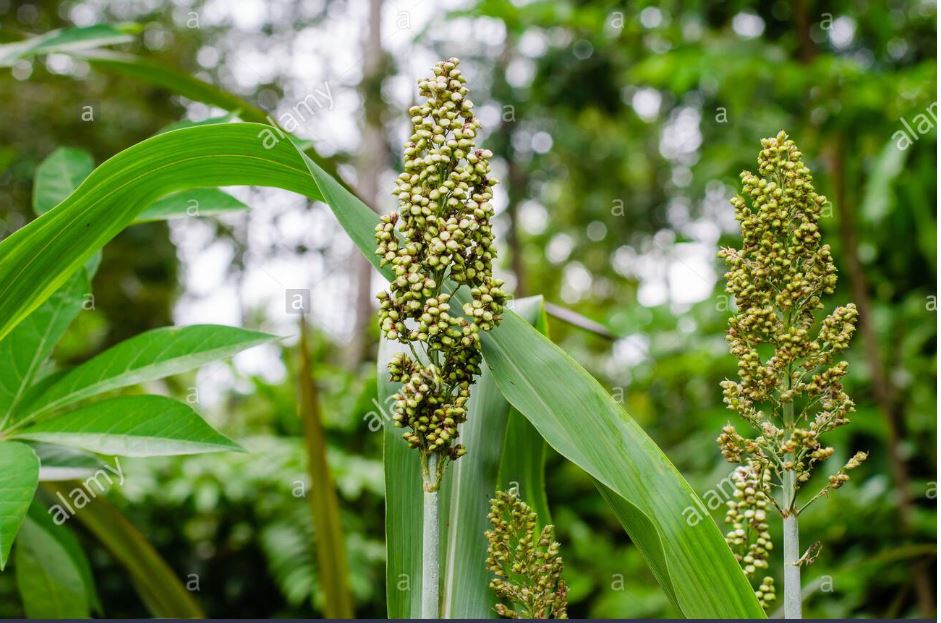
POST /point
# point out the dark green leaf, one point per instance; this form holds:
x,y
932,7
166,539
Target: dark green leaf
x,y
19,476
52,572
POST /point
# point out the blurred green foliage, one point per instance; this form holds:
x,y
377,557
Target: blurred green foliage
x,y
622,128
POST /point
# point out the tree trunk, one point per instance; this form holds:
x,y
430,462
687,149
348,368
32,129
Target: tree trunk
x,y
369,167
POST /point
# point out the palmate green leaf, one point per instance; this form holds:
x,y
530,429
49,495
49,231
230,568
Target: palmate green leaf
x,y
131,426
158,585
19,476
52,573
28,347
151,355
696,564
67,40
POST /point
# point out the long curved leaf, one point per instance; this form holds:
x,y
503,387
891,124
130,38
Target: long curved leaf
x,y
65,168
329,540
578,418
66,40
523,464
151,355
403,502
38,258
131,426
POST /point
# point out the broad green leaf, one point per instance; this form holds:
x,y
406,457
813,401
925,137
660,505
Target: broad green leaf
x,y
583,424
27,348
66,40
131,426
19,476
193,203
522,466
575,415
146,357
58,175
158,585
523,463
52,572
67,539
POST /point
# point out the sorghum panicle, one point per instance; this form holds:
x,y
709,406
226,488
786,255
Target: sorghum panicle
x,y
440,234
525,561
789,388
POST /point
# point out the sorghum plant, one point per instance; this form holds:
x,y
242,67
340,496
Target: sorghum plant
x,y
794,396
439,239
525,562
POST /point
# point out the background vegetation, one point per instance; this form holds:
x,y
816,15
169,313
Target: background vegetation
x,y
620,132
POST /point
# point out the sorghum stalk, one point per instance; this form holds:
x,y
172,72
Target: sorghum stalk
x,y
794,396
430,574
438,240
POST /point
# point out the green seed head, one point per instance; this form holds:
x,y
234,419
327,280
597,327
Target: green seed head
x,y
439,238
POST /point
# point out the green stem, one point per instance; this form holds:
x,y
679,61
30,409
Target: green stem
x,y
430,541
792,572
